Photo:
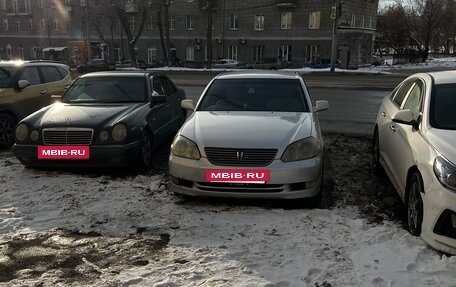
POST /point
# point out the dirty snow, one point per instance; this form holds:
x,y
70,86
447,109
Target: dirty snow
x,y
98,228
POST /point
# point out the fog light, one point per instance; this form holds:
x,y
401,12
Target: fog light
x,y
103,136
446,225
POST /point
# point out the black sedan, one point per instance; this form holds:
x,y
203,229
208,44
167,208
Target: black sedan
x,y
103,119
96,65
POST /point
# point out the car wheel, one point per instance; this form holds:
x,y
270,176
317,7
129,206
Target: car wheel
x,y
146,150
414,204
376,166
7,125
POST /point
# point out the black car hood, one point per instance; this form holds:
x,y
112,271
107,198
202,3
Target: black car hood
x,y
61,114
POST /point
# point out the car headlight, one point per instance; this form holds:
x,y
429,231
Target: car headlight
x,y
183,147
34,135
21,132
103,136
119,132
303,149
445,172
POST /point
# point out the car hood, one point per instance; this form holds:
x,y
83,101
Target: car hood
x,y
61,114
248,129
443,141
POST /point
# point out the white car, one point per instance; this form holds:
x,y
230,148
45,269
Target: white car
x,y
415,142
251,135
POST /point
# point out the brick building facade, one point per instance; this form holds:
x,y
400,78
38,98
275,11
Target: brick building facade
x,y
246,30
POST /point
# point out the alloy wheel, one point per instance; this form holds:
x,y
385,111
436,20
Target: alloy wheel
x,y
146,150
415,205
7,125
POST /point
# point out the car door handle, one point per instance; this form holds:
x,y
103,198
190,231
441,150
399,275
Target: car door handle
x,y
383,114
43,92
393,128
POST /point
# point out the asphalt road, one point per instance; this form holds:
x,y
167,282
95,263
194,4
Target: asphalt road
x,y
352,111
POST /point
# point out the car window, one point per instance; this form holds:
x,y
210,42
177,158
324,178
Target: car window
x,y
443,101
107,90
281,95
168,87
63,72
6,76
399,97
50,74
156,85
413,101
31,74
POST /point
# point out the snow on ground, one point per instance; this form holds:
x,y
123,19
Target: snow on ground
x,y
93,228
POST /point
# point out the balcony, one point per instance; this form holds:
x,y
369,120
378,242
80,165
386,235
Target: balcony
x,y
286,3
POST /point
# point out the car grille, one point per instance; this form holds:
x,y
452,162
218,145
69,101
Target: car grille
x,y
240,157
67,136
240,187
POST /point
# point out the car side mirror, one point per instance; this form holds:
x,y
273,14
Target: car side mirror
x,y
187,105
321,106
405,117
22,84
156,98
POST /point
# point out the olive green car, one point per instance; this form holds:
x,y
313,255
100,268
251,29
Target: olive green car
x,y
26,87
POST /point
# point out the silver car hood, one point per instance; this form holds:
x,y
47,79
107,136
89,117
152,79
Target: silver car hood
x,y
248,129
443,141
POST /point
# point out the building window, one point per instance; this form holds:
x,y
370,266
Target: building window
x,y
132,23
55,24
40,4
151,55
21,53
172,23
43,23
259,22
68,24
190,53
83,3
30,24
284,52
9,52
15,7
311,53
67,3
18,25
3,4
188,22
234,22
314,20
368,22
357,21
5,25
285,22
150,23
258,53
118,54
36,53
233,52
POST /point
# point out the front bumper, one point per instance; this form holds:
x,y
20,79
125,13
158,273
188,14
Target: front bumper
x,y
291,180
100,156
437,228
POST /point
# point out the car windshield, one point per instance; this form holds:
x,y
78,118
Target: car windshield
x,y
443,101
107,90
272,95
6,76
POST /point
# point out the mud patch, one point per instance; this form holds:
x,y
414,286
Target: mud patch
x,y
76,257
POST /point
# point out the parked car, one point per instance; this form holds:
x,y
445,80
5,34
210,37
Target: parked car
x,y
228,64
377,61
96,65
26,87
414,142
269,63
322,64
104,119
251,135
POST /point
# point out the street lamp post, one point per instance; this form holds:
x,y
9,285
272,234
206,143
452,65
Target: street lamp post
x,y
334,36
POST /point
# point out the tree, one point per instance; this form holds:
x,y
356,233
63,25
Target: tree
x,y
391,29
98,21
208,5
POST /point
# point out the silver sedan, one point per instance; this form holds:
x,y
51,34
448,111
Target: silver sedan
x,y
251,135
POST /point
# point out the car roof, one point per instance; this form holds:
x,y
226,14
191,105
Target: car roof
x,y
443,77
258,74
32,63
120,74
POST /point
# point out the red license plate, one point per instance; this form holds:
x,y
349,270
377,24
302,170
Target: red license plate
x,y
63,152
238,175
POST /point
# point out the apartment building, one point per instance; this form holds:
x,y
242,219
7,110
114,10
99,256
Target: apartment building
x,y
298,31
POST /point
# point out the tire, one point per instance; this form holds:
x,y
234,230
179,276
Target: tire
x,y
414,204
7,127
146,150
376,166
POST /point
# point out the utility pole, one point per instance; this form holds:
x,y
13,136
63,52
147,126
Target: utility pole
x,y
334,18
